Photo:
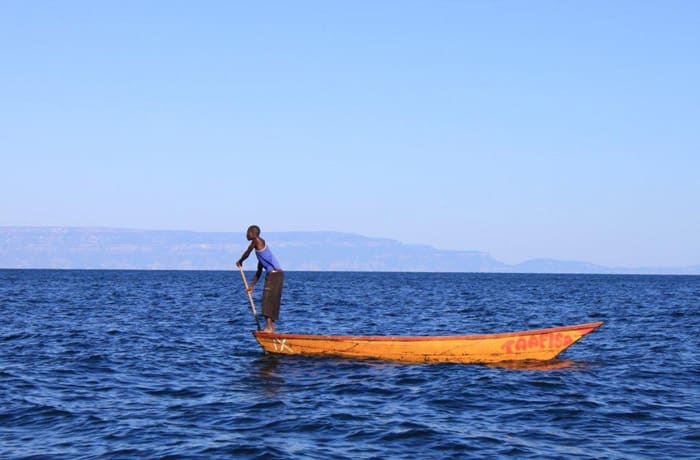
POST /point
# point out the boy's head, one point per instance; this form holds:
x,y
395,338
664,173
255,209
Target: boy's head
x,y
253,232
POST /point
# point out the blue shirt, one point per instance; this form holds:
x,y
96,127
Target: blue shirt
x,y
268,260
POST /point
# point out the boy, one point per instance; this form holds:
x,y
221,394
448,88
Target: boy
x,y
274,277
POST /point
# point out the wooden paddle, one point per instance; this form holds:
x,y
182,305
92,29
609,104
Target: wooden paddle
x,y
250,297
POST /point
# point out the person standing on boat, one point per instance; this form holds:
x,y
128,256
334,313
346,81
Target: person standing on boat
x,y
274,276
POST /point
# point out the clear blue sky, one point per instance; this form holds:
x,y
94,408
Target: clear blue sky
x,y
562,129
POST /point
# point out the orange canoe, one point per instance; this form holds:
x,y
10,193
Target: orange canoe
x,y
536,345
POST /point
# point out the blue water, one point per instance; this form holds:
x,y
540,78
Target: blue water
x,y
136,364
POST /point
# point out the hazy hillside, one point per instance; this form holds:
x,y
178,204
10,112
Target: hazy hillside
x,y
27,247
106,248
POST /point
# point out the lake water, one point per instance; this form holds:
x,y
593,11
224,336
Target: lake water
x,y
141,364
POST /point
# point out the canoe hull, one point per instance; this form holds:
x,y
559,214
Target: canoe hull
x,y
534,345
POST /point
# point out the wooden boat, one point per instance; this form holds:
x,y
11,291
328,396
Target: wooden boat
x,y
533,345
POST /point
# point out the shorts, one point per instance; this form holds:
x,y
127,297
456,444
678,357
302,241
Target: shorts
x,y
272,294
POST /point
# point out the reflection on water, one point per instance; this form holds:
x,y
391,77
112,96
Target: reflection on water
x,y
550,365
269,378
268,365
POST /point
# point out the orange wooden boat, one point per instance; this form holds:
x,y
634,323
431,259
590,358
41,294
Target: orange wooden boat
x,y
534,345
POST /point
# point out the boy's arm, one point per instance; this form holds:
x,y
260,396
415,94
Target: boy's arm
x,y
258,273
256,277
245,255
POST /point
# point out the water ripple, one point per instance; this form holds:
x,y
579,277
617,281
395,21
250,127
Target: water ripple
x,y
109,364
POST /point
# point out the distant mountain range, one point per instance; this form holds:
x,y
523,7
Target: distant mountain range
x,y
110,248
